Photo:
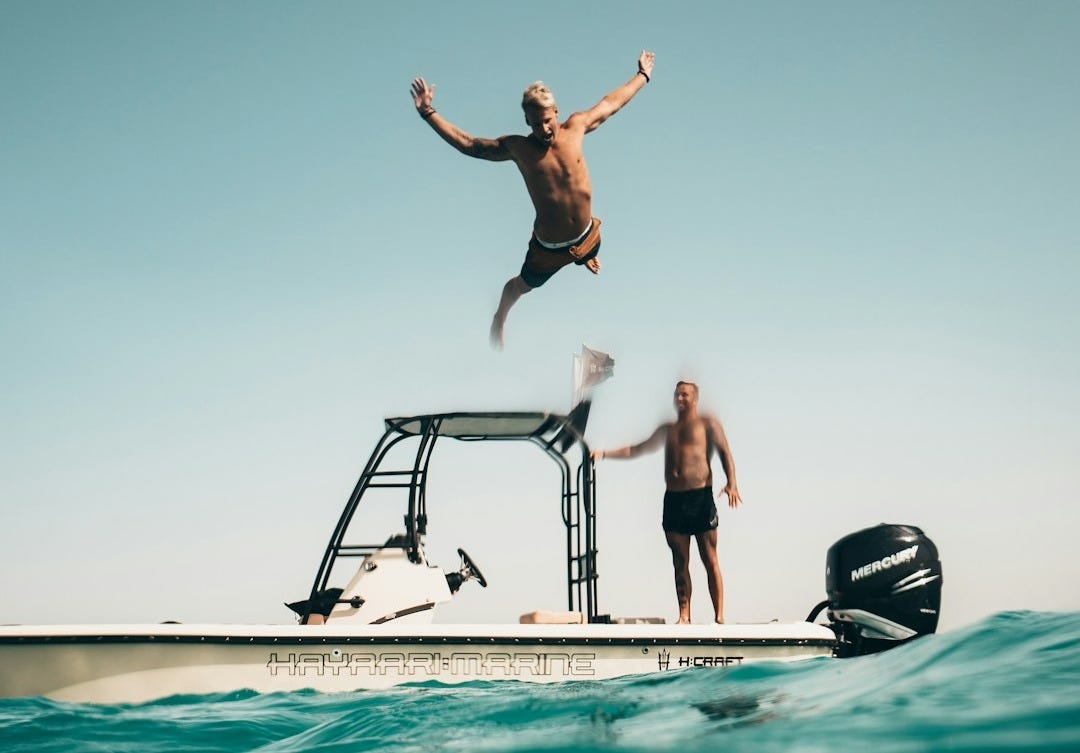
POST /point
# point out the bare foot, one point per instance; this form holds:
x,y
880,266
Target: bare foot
x,y
496,334
593,265
683,621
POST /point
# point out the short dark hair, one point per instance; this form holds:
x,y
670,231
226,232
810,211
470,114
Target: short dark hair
x,y
681,382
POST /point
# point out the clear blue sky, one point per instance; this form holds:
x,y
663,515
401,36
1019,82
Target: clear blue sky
x,y
229,247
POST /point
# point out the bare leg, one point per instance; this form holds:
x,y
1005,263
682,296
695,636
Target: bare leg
x,y
514,288
680,559
707,549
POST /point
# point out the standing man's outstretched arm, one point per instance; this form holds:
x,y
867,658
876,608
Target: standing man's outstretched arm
x,y
653,443
614,100
494,150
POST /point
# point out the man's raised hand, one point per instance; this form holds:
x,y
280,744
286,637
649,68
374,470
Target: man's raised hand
x,y
645,63
422,94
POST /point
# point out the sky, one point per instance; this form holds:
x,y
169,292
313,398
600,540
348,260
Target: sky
x,y
229,248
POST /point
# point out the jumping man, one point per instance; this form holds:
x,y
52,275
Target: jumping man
x,y
689,509
553,166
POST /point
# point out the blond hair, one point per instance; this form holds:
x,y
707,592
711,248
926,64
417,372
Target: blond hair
x,y
537,95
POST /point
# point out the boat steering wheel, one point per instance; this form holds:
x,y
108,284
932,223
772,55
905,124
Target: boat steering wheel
x,y
469,568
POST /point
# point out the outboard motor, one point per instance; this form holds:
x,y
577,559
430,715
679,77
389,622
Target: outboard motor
x,y
884,588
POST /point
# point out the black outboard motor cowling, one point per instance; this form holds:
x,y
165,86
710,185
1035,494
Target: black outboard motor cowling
x,y
884,588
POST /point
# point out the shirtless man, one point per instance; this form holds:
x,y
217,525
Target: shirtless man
x,y
553,166
689,509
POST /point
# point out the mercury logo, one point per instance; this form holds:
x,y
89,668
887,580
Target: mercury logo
x,y
870,568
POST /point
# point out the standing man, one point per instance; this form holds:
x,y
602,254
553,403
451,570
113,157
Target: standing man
x,y
552,163
689,509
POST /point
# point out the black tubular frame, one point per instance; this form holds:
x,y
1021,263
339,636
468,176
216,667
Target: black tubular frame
x,y
554,434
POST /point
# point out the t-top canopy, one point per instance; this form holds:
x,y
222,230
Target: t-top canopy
x,y
481,425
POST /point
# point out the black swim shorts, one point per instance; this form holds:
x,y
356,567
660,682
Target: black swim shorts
x,y
690,512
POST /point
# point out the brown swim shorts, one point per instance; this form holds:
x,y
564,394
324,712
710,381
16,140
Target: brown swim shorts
x,y
541,262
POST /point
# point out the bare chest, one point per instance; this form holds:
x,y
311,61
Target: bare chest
x,y
559,163
685,439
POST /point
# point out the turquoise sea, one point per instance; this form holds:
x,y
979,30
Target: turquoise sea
x,y
1008,683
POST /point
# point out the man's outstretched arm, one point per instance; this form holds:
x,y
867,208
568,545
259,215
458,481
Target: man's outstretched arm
x,y
614,100
653,443
490,149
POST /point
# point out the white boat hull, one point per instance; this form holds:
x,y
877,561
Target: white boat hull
x,y
131,663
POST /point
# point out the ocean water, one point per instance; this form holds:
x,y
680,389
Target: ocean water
x,y
1008,683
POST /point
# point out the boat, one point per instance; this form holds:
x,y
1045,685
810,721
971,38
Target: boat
x,y
371,625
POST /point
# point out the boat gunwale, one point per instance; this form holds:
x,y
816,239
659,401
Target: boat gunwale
x,y
753,634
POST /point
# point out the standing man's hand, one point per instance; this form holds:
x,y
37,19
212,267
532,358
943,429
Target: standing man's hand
x,y
645,64
733,498
422,95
